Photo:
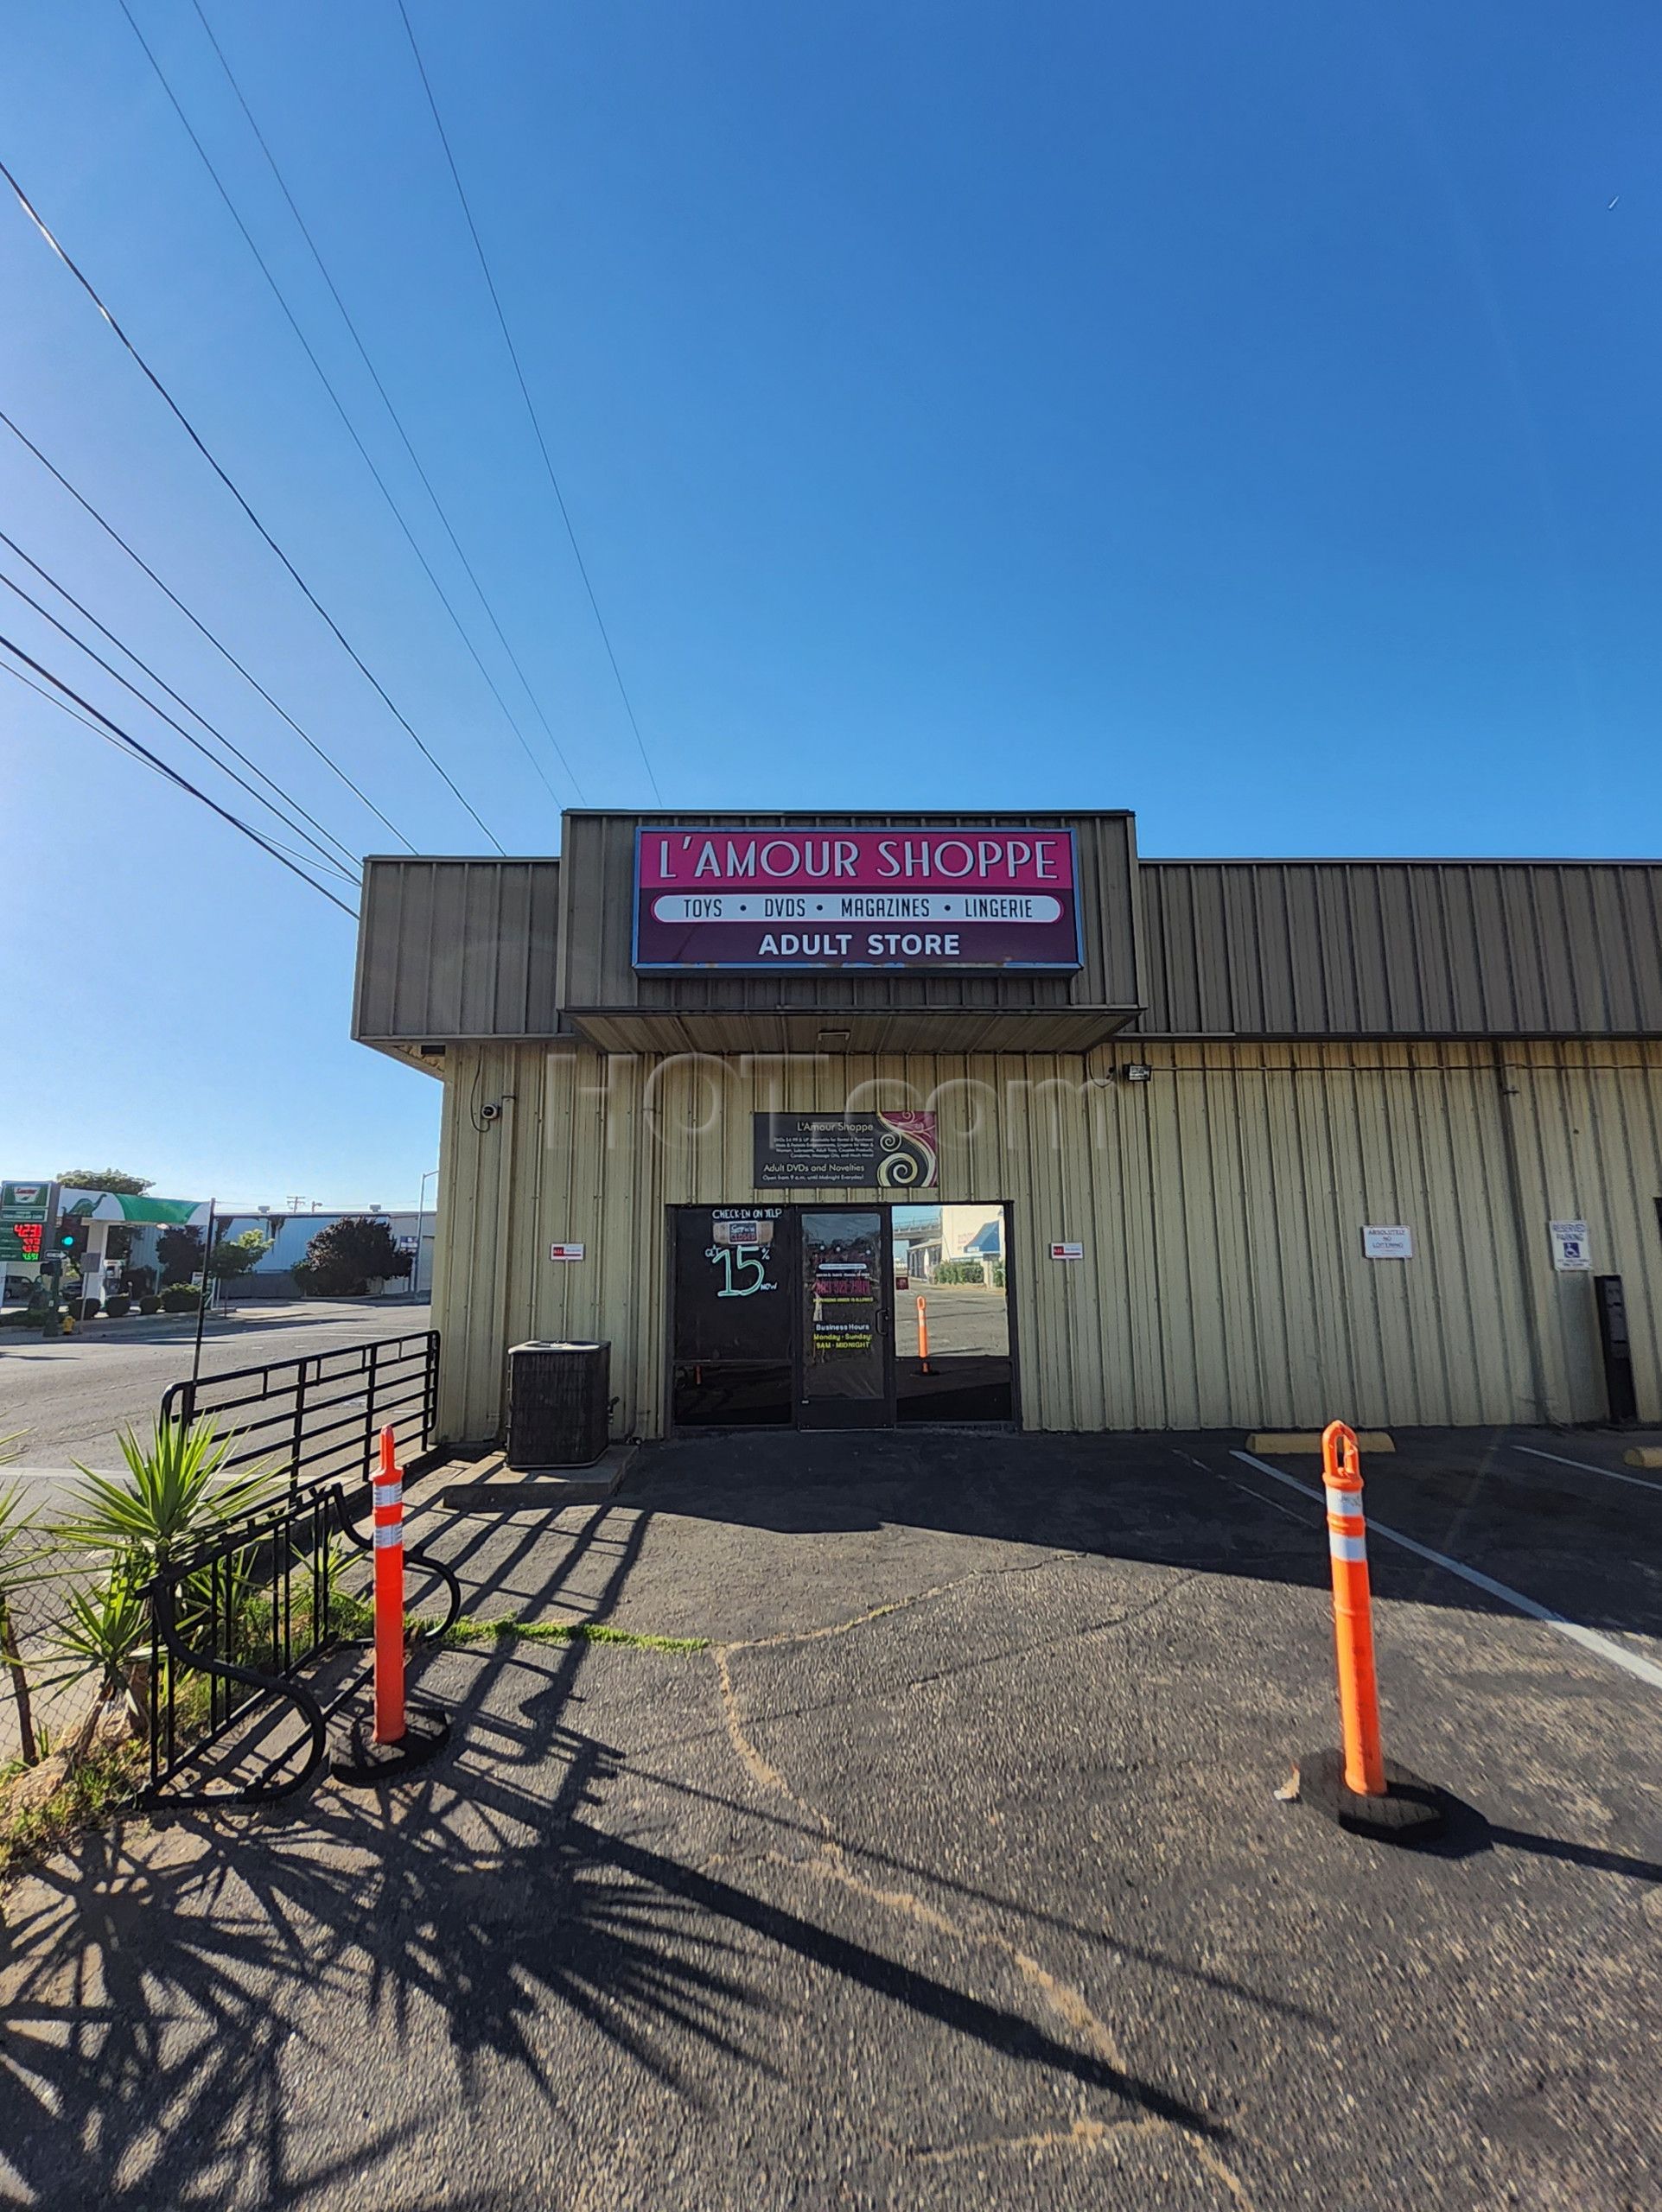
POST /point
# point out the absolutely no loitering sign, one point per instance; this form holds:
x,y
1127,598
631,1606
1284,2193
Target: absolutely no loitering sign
x,y
837,898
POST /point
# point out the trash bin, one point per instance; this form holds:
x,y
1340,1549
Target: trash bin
x,y
558,1404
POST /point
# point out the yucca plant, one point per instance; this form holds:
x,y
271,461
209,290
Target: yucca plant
x,y
105,1633
174,1492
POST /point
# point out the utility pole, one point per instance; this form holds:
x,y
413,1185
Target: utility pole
x,y
201,1311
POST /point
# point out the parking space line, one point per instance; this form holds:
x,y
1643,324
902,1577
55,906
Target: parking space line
x,y
1591,1467
1602,1647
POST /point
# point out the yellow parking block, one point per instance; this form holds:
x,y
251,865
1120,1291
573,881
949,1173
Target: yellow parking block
x,y
1643,1455
1290,1443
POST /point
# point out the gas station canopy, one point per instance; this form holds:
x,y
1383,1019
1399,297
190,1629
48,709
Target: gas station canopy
x,y
112,1205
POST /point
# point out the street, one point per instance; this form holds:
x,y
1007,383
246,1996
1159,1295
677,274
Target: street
x,y
68,1398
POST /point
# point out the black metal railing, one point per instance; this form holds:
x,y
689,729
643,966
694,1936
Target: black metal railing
x,y
236,1621
319,1419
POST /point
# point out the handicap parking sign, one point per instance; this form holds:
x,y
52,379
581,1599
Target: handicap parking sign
x,y
1571,1254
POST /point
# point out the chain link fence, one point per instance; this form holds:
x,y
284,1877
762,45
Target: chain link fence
x,y
43,1704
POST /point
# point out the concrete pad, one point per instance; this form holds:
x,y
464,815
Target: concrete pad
x,y
1295,1443
490,1485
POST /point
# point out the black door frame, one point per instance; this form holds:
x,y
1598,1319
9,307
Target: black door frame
x,y
799,1206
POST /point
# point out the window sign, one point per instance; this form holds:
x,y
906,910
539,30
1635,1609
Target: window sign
x,y
1572,1251
1387,1241
732,1281
833,899
843,1346
888,1152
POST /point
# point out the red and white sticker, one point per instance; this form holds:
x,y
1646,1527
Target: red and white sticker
x,y
1068,1251
565,1251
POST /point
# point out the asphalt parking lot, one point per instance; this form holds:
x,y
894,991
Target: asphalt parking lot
x,y
949,1869
964,1320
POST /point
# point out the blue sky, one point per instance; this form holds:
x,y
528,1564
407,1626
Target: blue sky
x,y
1243,416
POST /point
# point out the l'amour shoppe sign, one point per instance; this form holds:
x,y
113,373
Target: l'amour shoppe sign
x,y
909,899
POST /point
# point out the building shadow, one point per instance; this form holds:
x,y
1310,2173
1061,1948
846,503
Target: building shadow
x,y
1564,1539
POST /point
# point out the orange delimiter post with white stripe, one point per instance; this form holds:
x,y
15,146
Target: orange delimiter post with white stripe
x,y
923,1336
1353,1619
388,1494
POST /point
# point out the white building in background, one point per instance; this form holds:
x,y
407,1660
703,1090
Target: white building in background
x,y
291,1233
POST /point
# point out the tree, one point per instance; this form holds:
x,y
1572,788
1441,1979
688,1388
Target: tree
x,y
342,1260
179,1251
237,1255
113,1179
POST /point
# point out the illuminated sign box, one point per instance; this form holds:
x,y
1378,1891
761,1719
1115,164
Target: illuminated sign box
x,y
856,899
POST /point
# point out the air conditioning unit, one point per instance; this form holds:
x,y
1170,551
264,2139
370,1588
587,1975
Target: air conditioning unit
x,y
558,1404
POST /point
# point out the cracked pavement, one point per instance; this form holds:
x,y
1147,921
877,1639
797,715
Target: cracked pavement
x,y
951,1870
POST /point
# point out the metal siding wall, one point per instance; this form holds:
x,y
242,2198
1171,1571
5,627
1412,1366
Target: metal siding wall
x,y
1220,1206
1374,948
1588,1123
456,948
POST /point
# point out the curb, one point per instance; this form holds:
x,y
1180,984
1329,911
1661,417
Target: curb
x,y
1293,1442
508,1492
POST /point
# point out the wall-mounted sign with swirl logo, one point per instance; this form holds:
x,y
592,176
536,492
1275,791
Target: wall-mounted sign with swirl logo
x,y
907,1157
854,1151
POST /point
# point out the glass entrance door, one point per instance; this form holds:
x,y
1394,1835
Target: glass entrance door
x,y
846,1328
952,1314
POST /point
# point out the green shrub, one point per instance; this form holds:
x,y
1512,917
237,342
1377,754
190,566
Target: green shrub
x,y
180,1298
101,1785
150,1303
118,1306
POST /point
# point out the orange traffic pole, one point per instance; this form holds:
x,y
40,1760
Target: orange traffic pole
x,y
388,1491
1353,1619
923,1337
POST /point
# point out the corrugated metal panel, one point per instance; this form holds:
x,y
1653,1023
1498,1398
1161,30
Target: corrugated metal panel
x,y
905,1029
1409,948
1585,1122
456,948
465,948
1220,1206
598,913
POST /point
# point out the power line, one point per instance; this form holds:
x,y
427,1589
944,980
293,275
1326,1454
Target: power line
x,y
195,438
125,739
86,723
324,378
219,645
324,858
386,401
253,767
524,391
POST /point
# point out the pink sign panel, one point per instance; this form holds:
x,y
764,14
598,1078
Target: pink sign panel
x,y
809,897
